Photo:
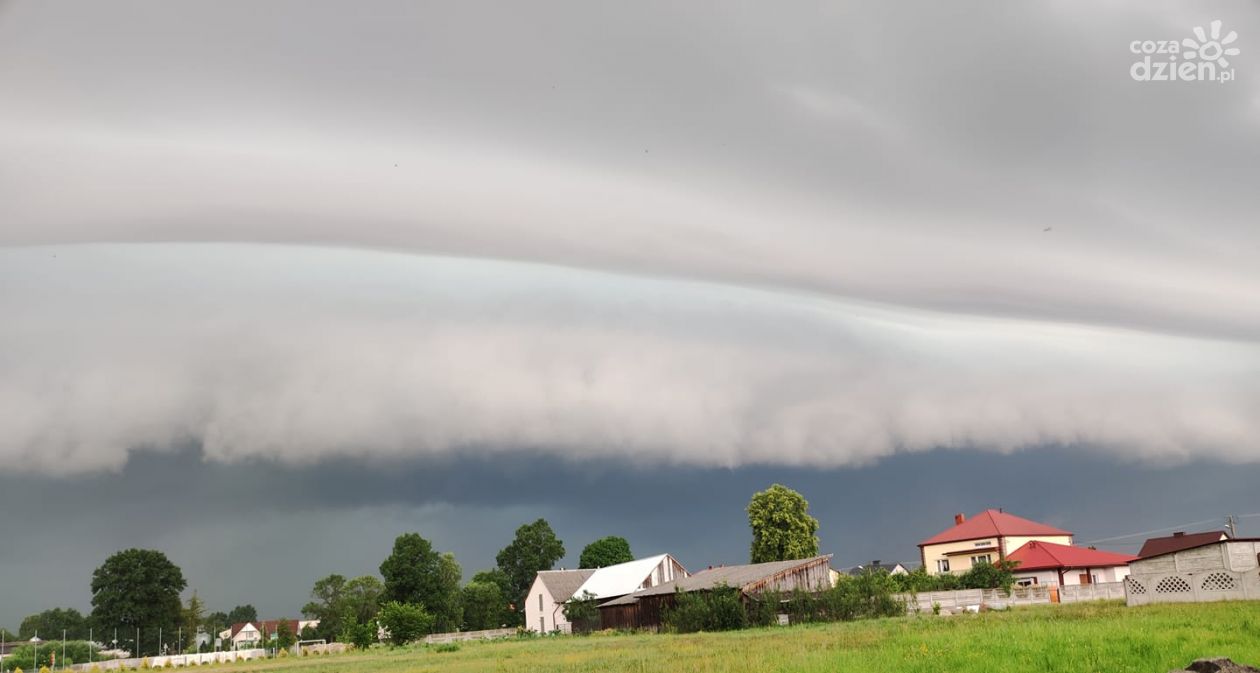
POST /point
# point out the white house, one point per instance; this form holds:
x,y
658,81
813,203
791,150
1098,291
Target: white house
x,y
547,595
544,607
245,635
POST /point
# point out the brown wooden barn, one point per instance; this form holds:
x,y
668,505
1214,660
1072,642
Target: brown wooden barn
x,y
642,609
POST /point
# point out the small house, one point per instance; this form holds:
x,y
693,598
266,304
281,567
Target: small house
x,y
1216,569
1063,565
987,537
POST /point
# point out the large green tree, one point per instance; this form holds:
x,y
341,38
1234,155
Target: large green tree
x,y
510,614
604,552
338,602
417,573
782,528
483,606
50,623
138,588
534,548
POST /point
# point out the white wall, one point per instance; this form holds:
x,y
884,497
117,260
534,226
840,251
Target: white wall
x,y
546,617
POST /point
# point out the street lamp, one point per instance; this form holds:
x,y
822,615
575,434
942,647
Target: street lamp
x,y
35,658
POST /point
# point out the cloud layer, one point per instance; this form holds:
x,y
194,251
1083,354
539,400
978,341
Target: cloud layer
x,y
302,354
700,235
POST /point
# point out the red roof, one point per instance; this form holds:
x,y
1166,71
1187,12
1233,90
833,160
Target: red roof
x,y
1037,555
1179,542
992,523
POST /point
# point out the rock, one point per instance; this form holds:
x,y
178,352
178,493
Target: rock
x,y
1217,665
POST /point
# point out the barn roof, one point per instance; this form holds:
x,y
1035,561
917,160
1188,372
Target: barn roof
x,y
620,579
562,584
1037,555
1158,546
743,577
992,523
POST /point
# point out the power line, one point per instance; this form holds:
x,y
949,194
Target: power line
x,y
1157,530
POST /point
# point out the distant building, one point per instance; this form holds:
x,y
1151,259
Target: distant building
x,y
1177,541
544,609
876,566
1063,565
987,537
547,595
642,609
247,635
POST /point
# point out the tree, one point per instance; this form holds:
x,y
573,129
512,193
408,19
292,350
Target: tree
x,y
510,614
534,548
483,606
340,602
404,622
604,552
241,614
8,636
417,573
50,623
194,616
582,612
360,635
285,638
138,588
781,525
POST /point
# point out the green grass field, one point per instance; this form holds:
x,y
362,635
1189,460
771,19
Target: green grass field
x,y
1077,639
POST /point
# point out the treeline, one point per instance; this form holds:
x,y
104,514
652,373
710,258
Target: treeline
x,y
420,588
864,596
981,576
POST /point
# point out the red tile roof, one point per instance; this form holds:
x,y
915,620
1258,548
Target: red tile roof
x,y
1037,555
992,523
1157,546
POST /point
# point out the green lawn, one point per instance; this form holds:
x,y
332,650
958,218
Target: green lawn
x,y
1071,638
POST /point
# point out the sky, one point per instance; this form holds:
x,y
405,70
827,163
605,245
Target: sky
x,y
281,281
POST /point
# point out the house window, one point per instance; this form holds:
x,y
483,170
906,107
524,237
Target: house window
x,y
540,607
982,558
942,565
1026,581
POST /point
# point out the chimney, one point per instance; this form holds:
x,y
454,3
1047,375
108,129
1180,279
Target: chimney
x,y
959,519
1179,533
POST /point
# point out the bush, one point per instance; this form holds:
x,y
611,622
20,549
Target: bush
x,y
360,636
582,612
404,622
719,609
446,647
76,650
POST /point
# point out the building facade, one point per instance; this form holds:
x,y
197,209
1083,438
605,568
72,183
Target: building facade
x,y
987,537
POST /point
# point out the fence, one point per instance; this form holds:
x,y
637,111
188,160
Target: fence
x,y
1192,587
173,660
468,635
973,599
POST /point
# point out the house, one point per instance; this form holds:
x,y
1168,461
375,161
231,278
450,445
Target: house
x,y
642,609
248,635
1218,568
876,566
549,592
987,537
544,606
1061,565
1177,541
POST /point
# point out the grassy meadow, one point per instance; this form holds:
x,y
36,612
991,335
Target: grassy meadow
x,y
1080,638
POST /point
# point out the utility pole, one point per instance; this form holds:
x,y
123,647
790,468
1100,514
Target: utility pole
x,y
1230,523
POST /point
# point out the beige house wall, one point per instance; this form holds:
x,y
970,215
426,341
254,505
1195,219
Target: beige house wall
x,y
961,563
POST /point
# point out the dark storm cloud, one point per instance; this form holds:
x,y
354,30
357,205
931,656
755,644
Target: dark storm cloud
x,y
256,533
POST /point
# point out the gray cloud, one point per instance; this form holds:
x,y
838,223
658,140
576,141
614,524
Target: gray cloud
x,y
304,354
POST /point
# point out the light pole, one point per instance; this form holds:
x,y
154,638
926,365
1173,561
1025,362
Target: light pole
x,y
35,659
